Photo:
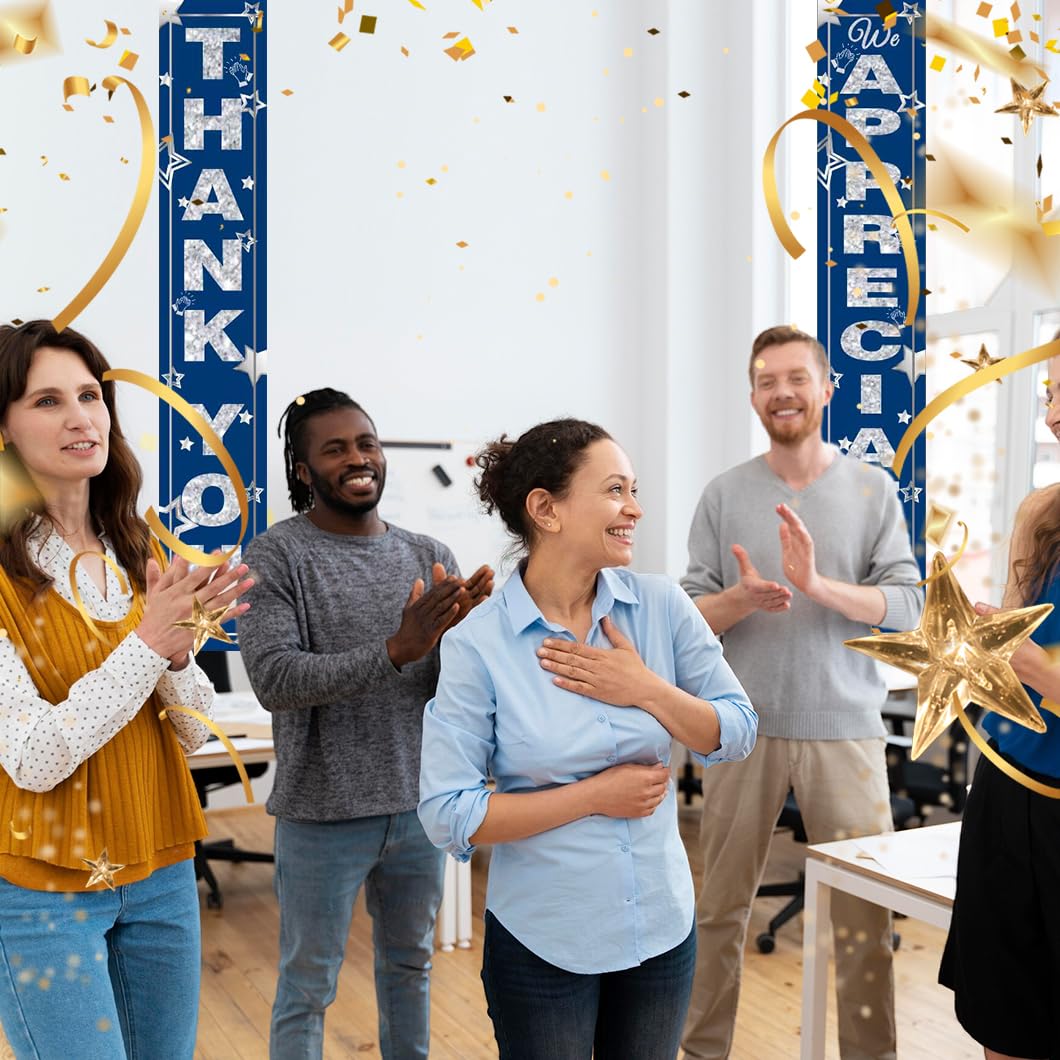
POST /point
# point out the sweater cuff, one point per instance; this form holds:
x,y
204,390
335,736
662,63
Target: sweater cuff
x,y
901,613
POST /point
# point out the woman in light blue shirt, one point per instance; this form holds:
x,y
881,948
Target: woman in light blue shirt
x,y
568,687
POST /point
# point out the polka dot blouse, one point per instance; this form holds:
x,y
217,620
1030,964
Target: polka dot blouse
x,y
36,748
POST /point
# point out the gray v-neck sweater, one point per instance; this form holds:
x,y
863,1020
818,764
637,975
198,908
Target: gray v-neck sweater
x,y
801,679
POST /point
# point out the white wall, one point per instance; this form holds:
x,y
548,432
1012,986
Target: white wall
x,y
648,328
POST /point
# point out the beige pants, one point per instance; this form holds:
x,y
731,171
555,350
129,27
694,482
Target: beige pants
x,y
842,791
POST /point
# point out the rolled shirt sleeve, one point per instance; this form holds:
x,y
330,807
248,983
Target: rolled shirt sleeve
x,y
458,745
701,670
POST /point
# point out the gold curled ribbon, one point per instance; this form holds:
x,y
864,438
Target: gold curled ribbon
x,y
76,86
983,51
936,213
211,438
876,167
950,563
23,45
1007,768
109,39
1006,366
135,215
230,747
20,836
79,603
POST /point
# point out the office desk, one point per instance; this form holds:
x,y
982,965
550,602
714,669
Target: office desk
x,y
898,878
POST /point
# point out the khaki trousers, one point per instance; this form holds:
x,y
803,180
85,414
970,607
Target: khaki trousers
x,y
842,791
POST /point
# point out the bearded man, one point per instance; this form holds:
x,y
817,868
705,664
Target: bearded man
x,y
790,554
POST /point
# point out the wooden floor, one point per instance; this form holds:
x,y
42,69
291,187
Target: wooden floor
x,y
239,975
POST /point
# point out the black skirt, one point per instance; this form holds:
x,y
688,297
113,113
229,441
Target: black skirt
x,y
1002,956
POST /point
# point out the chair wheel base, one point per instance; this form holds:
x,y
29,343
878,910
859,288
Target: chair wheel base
x,y
214,901
766,942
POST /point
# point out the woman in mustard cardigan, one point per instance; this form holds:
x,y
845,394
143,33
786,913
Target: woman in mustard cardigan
x,y
99,918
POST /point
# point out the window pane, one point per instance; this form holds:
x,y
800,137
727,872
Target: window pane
x,y
1046,451
962,459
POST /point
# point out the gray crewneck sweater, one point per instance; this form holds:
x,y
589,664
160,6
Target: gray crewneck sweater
x,y
803,682
346,724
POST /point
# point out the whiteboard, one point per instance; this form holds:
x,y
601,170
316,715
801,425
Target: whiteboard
x,y
416,500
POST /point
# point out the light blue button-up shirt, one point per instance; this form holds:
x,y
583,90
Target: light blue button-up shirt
x,y
601,893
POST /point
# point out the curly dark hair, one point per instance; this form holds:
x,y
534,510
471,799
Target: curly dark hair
x,y
292,429
544,457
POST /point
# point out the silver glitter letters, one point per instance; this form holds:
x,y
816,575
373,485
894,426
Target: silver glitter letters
x,y
854,234
213,41
224,419
868,66
212,180
852,336
198,257
229,123
862,291
197,333
192,506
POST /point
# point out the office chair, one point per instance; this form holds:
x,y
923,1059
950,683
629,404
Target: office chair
x,y
215,665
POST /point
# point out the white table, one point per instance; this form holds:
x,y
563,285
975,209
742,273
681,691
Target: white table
x,y
911,872
249,725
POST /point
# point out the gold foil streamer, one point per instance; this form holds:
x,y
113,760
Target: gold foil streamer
x,y
78,602
1007,365
220,734
1007,768
109,39
883,179
76,86
936,213
950,563
24,46
133,218
211,438
940,31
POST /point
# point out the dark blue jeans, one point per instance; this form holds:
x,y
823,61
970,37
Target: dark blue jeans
x,y
541,1012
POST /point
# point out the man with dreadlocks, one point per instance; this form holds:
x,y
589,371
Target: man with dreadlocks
x,y
348,611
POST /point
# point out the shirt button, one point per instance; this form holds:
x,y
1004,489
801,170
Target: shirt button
x,y
625,848
601,717
612,758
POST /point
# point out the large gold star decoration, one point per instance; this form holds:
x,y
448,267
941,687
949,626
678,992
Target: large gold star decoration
x,y
206,624
103,871
982,360
1027,103
959,657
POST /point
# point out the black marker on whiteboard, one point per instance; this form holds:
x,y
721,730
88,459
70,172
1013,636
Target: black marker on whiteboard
x,y
441,475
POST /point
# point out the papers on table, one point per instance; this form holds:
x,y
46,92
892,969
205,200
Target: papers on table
x,y
915,854
240,714
243,744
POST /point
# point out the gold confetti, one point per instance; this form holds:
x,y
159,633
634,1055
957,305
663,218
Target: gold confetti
x,y
64,176
539,297
75,86
684,95
983,10
553,281
416,3
25,47
604,175
431,180
108,119
109,39
339,41
286,91
461,244
938,62
541,108
103,871
479,3
627,52
459,51
852,102
451,35
508,99
367,24
1000,27
347,7
512,29
128,60
815,50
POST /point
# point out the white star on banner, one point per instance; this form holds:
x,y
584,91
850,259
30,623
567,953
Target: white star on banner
x,y
904,417
910,12
254,493
910,102
185,444
836,376
248,183
245,417
176,161
911,493
252,104
250,11
841,203
844,444
912,364
167,12
172,379
255,364
165,80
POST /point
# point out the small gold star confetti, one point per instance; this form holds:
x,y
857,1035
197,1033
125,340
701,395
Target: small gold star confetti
x,y
206,624
982,360
103,871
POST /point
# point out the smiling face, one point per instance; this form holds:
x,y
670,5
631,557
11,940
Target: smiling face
x,y
343,462
599,513
60,424
789,393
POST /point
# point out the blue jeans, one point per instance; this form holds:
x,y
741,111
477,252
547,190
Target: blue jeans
x,y
102,975
320,867
541,1012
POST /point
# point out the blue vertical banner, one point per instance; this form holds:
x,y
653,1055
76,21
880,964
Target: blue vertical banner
x,y
872,73
212,238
